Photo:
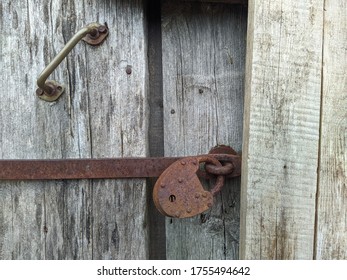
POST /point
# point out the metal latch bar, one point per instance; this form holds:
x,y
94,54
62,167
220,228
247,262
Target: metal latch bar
x,y
108,168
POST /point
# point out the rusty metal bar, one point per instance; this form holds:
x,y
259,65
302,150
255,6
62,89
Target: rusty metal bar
x,y
83,168
95,168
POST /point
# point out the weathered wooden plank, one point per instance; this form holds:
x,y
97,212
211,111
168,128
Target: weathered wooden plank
x,y
6,217
103,113
67,203
281,129
331,225
120,228
203,71
23,133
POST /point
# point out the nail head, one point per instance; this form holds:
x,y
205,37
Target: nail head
x,y
128,70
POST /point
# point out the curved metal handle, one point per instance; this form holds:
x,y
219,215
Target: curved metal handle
x,y
93,34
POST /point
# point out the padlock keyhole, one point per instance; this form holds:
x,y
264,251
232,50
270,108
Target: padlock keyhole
x,y
172,198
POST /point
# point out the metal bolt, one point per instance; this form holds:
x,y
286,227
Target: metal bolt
x,y
189,210
39,92
183,162
180,180
94,33
162,185
128,70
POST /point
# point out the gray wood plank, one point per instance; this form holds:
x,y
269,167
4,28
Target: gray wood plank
x,y
157,243
6,217
203,71
103,113
118,117
67,202
281,129
23,133
331,238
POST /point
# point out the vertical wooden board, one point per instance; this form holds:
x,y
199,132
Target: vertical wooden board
x,y
68,213
6,230
55,220
31,128
203,70
281,129
23,132
331,225
119,126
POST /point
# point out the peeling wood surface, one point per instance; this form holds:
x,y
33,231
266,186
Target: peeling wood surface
x,y
331,233
203,72
103,113
281,129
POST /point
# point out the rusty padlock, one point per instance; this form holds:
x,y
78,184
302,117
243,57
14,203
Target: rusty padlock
x,y
179,193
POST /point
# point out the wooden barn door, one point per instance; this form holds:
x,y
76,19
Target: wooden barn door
x,y
103,113
168,80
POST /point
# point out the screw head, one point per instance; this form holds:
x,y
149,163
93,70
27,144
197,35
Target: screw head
x,y
162,185
189,210
180,180
183,162
94,33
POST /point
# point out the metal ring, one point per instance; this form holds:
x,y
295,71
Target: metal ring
x,y
220,178
226,169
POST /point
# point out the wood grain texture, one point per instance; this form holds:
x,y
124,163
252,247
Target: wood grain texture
x,y
203,71
103,113
281,129
331,225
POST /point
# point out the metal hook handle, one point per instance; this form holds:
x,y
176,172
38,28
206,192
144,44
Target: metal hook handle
x,y
93,34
